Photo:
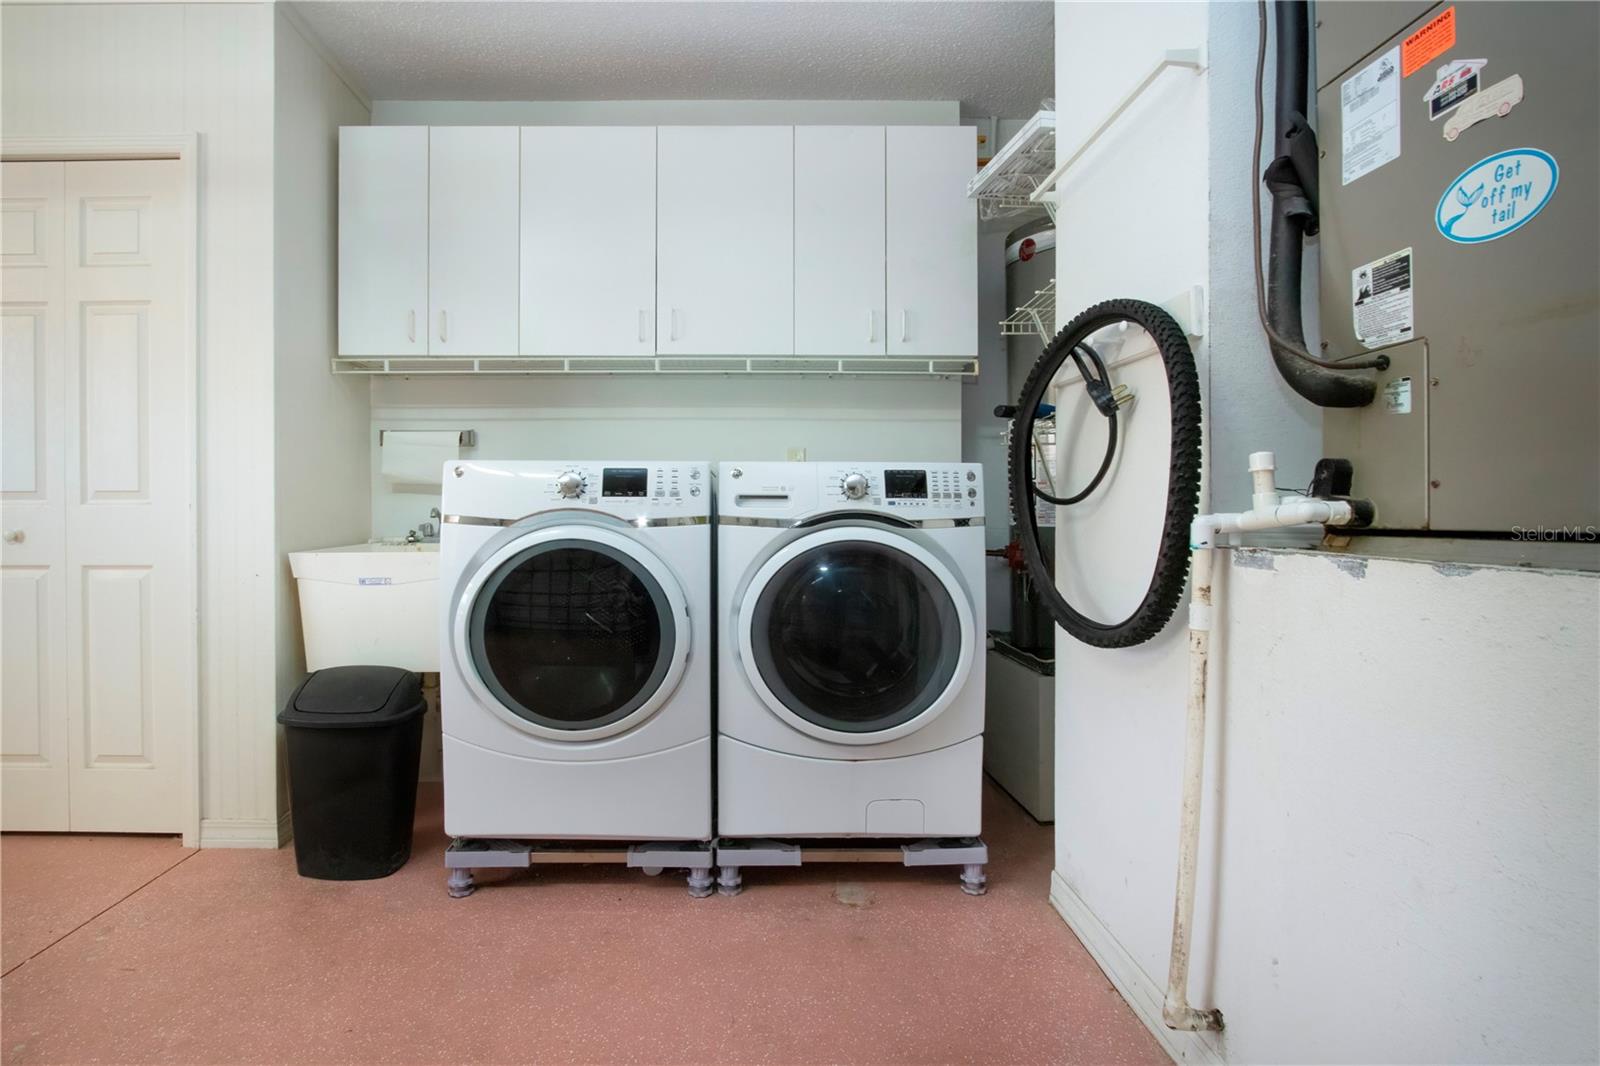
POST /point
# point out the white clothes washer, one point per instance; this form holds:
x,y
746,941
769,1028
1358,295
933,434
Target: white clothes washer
x,y
575,683
851,649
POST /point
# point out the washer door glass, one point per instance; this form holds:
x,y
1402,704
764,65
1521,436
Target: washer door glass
x,y
571,635
856,636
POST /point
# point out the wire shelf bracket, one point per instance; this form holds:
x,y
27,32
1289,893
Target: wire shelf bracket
x,y
1048,193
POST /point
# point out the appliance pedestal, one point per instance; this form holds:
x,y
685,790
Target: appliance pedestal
x,y
969,853
465,855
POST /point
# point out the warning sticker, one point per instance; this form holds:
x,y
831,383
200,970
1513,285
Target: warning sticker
x,y
1456,81
1380,300
1397,396
1436,37
1370,109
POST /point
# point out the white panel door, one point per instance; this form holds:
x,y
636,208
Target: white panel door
x,y
33,554
839,240
725,240
472,240
932,241
130,477
588,240
383,240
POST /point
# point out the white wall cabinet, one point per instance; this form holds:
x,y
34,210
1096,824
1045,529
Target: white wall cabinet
x,y
383,240
725,240
675,240
932,243
839,241
588,240
473,195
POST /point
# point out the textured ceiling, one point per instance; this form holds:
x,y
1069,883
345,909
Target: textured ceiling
x,y
994,57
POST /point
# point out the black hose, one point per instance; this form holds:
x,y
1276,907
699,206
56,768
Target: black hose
x,y
1324,383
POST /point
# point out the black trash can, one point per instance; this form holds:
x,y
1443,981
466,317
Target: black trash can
x,y
355,738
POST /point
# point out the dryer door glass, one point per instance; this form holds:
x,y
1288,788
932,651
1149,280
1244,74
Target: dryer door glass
x,y
856,636
571,634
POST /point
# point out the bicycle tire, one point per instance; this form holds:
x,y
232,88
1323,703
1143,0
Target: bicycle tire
x,y
1171,571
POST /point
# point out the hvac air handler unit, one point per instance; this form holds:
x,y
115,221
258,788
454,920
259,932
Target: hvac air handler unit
x,y
1459,211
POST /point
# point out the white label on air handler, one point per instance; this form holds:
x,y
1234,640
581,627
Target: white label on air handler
x,y
1380,300
1370,116
1397,396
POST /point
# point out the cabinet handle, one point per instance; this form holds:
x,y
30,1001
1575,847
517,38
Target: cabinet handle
x,y
15,536
672,324
411,325
872,325
642,325
903,337
444,332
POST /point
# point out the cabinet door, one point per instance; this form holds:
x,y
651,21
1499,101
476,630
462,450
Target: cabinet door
x,y
589,240
932,241
383,240
725,240
472,240
839,240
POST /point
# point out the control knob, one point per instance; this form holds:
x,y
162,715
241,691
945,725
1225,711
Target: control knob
x,y
855,486
570,484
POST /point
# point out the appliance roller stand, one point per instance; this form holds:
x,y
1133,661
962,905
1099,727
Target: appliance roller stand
x,y
467,854
969,853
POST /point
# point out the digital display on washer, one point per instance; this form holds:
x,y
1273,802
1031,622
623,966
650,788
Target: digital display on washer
x,y
624,481
905,484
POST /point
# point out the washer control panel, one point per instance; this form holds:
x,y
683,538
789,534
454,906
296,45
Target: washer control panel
x,y
910,490
913,490
627,488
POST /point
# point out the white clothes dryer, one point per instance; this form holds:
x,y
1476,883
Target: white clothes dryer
x,y
851,649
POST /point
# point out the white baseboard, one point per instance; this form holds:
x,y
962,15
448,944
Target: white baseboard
x,y
245,832
1142,994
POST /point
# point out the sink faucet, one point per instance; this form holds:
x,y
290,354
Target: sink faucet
x,y
425,531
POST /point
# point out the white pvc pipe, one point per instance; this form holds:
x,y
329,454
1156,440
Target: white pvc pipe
x,y
1176,1012
1267,511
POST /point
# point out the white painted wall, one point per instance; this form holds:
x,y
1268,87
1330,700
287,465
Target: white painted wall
x,y
321,465
709,418
1403,868
90,69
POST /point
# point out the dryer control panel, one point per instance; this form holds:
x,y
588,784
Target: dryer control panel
x,y
631,489
909,490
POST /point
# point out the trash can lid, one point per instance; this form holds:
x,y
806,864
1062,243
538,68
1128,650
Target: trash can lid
x,y
354,697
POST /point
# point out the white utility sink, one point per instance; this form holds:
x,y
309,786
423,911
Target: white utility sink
x,y
371,604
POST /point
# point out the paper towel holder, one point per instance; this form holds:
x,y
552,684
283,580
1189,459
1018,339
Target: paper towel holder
x,y
467,439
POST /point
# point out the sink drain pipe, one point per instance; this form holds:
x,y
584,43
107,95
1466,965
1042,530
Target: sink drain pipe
x,y
1267,511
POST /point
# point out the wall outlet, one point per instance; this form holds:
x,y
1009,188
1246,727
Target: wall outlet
x,y
797,455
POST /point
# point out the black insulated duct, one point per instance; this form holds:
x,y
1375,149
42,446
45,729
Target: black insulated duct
x,y
1292,180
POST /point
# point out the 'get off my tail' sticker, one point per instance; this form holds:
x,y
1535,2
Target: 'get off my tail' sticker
x,y
1497,195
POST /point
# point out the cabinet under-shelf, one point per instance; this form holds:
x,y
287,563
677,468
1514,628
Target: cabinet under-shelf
x,y
810,366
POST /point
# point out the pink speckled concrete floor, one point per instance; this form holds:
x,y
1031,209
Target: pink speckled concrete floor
x,y
135,950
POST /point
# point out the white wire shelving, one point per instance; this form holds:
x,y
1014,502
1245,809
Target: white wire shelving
x,y
1004,187
1036,316
898,366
